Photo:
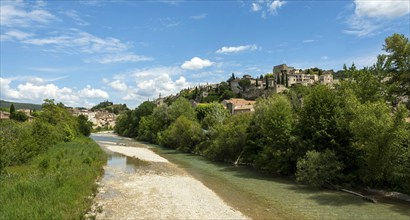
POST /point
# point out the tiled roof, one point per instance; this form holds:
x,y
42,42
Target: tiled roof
x,y
237,101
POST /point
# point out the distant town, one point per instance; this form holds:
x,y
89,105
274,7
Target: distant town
x,y
247,88
243,93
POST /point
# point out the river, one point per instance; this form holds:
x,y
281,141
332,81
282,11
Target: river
x,y
260,196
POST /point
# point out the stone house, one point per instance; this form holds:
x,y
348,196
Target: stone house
x,y
4,115
236,105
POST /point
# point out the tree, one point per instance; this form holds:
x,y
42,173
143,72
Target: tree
x,y
274,119
364,84
384,140
184,134
396,65
12,109
266,82
84,126
318,168
211,114
19,116
229,139
244,84
181,107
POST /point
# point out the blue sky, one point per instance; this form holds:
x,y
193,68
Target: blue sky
x,y
84,52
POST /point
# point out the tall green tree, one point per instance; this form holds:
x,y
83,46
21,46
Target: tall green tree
x,y
384,140
12,109
396,65
181,107
228,141
275,118
84,126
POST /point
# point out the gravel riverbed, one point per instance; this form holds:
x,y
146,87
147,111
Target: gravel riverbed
x,y
156,189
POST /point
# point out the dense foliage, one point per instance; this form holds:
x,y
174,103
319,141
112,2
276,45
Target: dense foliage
x,y
47,167
351,133
20,141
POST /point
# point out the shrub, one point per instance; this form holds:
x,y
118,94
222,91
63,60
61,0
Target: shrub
x,y
318,168
183,135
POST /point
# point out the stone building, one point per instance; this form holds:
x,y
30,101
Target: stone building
x,y
235,105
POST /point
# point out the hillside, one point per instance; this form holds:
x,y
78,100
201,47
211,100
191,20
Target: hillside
x,y
17,105
110,107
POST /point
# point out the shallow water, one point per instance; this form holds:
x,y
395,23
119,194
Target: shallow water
x,y
265,197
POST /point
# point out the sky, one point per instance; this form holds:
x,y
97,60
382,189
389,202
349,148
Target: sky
x,y
83,52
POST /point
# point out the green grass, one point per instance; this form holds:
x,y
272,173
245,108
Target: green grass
x,y
54,185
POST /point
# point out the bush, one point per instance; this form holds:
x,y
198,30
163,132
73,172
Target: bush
x,y
229,139
318,168
183,135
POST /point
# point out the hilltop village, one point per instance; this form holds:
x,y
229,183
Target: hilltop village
x,y
101,116
240,94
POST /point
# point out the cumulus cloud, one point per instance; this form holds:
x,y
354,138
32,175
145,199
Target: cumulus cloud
x,y
196,63
89,92
373,17
142,84
117,85
388,8
37,89
227,50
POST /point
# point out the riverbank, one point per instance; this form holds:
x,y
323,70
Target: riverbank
x,y
155,189
57,184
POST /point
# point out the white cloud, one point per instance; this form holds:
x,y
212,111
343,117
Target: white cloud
x,y
89,92
117,85
36,89
256,7
196,63
14,15
15,35
275,5
180,81
74,41
227,50
118,58
373,17
73,14
83,41
142,84
48,69
324,57
267,7
387,8
199,17
309,41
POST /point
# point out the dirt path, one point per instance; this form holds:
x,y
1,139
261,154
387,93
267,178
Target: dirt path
x,y
157,189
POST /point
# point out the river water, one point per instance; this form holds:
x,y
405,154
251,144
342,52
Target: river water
x,y
261,196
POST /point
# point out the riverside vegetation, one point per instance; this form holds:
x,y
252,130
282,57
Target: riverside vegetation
x,y
48,167
354,134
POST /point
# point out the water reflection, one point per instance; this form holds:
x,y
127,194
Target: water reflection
x,y
124,163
